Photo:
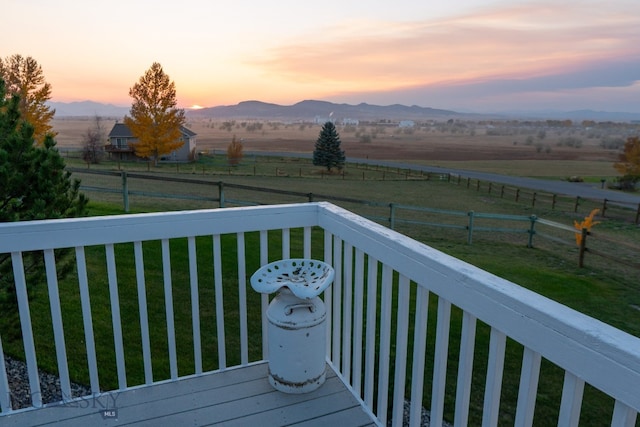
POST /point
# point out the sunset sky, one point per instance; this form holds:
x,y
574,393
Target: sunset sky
x,y
466,55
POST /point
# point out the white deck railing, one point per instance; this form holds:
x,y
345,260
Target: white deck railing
x,y
379,315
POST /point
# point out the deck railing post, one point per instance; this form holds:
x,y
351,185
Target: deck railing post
x,y
125,191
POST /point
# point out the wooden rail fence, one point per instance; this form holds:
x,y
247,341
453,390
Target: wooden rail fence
x,y
393,219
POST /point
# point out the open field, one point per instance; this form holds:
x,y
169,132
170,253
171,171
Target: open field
x,y
608,297
510,148
602,290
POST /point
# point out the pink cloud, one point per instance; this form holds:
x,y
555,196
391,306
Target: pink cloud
x,y
521,41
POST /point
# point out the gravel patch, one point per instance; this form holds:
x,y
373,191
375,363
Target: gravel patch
x,y
425,419
18,379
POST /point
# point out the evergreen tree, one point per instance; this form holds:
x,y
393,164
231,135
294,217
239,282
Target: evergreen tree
x,y
33,185
327,151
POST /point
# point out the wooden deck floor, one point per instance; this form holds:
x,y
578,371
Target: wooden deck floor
x,y
237,397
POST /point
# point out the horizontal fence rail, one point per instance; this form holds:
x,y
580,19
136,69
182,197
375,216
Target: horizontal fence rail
x,y
399,314
609,208
470,221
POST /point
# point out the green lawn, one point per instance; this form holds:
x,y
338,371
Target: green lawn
x,y
602,290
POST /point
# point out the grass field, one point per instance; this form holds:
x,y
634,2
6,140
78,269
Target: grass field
x,y
607,291
530,149
599,292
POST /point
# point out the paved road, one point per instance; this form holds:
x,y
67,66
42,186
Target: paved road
x,y
573,189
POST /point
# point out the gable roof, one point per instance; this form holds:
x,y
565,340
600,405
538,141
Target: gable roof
x,y
121,130
187,132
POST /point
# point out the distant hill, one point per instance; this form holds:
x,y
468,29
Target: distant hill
x,y
309,110
87,109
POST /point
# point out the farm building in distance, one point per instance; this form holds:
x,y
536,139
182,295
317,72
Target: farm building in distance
x,y
121,139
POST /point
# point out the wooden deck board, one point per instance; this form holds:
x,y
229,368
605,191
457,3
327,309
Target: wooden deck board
x,y
236,397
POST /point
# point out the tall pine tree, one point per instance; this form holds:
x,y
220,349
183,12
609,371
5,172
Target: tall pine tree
x,y
33,185
327,151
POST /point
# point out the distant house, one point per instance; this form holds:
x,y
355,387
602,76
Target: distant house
x,y
120,145
406,124
319,120
352,122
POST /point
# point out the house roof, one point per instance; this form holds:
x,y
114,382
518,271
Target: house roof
x,y
121,130
187,132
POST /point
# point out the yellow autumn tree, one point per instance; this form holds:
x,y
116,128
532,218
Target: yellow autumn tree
x,y
629,161
585,224
24,77
154,120
234,152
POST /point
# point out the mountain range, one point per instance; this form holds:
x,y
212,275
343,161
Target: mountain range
x,y
310,110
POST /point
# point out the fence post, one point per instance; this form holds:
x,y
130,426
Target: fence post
x,y
604,207
392,216
470,228
310,196
125,191
221,193
583,248
533,199
532,230
638,214
517,194
575,207
502,192
468,182
490,185
553,202
478,186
